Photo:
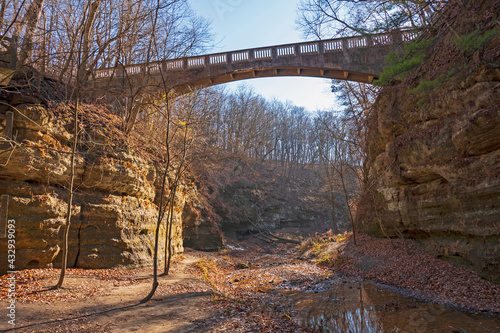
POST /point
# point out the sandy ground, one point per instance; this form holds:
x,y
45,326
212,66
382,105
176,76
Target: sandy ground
x,y
190,299
118,310
231,291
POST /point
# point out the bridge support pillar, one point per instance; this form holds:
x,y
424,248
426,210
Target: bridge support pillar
x,y
397,37
321,47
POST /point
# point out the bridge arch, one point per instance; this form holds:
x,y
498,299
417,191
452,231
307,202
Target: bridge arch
x,y
359,59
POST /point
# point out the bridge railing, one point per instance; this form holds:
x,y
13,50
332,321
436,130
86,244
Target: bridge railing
x,y
262,53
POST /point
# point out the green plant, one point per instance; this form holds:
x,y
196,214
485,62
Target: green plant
x,y
419,46
218,298
318,246
204,269
312,243
475,40
342,237
331,260
399,69
425,87
324,260
224,251
402,63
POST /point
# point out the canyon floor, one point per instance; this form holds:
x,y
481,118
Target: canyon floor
x,y
249,288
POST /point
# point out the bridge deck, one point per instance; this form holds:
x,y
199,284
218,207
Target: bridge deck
x,y
359,58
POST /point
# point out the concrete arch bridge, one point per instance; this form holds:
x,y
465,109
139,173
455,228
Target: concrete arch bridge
x,y
359,58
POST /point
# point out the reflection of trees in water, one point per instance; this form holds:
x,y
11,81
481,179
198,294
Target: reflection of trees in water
x,y
339,312
365,308
360,320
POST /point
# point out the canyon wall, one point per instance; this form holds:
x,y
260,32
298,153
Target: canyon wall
x,y
116,192
248,197
433,164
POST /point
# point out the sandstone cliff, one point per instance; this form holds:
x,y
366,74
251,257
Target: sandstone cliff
x,y
115,205
433,165
246,197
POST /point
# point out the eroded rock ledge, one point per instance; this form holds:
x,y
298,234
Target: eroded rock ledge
x,y
433,168
115,205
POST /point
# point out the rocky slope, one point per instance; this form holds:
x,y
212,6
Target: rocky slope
x,y
115,205
433,165
246,197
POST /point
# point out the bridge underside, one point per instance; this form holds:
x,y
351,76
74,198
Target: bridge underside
x,y
248,74
183,86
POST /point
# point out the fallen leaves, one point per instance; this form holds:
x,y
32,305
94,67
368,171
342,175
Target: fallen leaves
x,y
403,264
245,303
254,299
35,285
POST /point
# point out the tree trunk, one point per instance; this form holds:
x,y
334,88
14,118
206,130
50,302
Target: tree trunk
x,y
157,235
64,262
334,219
31,20
168,235
3,5
178,175
346,195
87,32
161,210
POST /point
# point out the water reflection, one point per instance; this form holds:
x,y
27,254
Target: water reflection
x,y
361,320
347,306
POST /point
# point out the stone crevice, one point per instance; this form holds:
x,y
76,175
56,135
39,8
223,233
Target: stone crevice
x,y
78,239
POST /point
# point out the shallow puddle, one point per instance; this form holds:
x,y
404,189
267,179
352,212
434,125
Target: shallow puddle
x,y
344,306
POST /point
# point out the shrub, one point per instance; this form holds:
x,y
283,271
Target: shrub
x,y
425,87
402,63
332,260
475,40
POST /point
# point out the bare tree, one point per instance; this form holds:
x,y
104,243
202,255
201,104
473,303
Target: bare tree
x,y
82,54
162,207
329,18
88,27
31,22
185,126
339,166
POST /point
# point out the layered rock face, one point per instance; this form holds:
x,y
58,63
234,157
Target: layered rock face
x,y
200,226
116,196
246,198
433,168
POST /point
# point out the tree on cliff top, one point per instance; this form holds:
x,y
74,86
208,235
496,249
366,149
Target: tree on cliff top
x,y
335,18
123,32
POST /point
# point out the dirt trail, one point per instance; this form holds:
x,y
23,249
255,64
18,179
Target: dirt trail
x,y
119,310
205,292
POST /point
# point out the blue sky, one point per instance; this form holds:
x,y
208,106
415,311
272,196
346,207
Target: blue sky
x,y
242,24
